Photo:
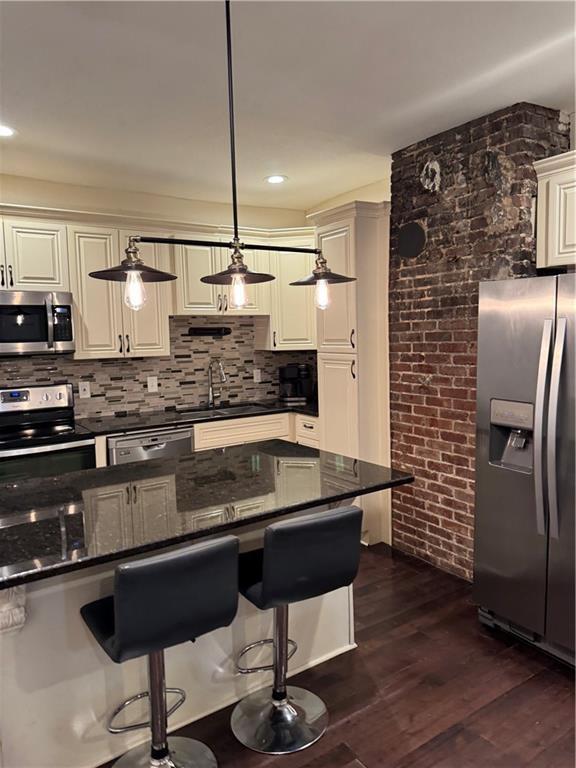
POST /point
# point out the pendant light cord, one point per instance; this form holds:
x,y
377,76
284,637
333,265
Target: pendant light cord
x,y
231,116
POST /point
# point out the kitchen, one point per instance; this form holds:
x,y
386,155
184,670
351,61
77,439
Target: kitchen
x,y
274,406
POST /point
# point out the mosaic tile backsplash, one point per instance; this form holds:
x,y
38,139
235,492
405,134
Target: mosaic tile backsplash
x,y
120,385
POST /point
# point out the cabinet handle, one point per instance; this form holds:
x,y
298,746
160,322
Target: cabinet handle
x,y
11,275
121,349
352,334
128,494
308,426
219,305
2,281
134,494
225,303
353,368
127,344
274,339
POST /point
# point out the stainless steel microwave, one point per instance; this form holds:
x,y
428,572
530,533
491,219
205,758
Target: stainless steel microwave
x,y
35,323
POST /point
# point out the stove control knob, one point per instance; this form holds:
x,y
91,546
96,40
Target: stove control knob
x,y
46,396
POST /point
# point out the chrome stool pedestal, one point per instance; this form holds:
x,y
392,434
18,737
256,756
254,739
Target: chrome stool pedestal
x,y
282,719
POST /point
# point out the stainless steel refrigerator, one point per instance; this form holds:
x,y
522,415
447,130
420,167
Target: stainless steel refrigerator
x,y
525,460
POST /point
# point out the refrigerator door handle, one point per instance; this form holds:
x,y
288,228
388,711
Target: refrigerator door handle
x,y
553,426
545,346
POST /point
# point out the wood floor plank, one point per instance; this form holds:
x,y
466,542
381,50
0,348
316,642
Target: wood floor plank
x,y
428,686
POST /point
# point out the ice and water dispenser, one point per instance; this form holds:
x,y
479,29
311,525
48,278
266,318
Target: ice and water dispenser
x,y
512,435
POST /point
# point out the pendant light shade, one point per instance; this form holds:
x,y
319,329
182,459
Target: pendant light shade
x,y
134,273
237,270
321,277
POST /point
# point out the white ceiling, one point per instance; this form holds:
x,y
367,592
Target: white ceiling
x,y
132,95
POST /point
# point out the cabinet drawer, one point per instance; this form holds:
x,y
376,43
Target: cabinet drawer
x,y
307,430
237,431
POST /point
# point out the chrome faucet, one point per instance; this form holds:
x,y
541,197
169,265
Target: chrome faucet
x,y
222,376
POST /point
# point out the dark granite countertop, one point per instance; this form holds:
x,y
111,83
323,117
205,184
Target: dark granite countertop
x,y
49,526
133,421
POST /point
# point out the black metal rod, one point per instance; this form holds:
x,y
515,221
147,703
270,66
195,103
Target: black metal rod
x,y
231,119
220,244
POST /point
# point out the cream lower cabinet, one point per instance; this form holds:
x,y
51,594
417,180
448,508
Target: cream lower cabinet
x,y
338,404
307,430
297,479
556,211
154,509
35,256
227,432
104,326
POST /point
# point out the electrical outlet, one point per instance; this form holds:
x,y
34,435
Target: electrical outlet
x,y
258,375
84,389
152,383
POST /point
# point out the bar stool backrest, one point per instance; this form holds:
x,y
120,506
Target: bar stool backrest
x,y
310,555
168,599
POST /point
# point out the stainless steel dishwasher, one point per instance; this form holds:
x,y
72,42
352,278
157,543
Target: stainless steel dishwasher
x,y
151,444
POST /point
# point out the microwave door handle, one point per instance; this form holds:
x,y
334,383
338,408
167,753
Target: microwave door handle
x,y
50,320
553,427
545,345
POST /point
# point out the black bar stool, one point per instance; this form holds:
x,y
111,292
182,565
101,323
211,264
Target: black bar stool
x,y
159,602
301,558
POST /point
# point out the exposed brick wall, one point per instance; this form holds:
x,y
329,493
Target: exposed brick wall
x,y
478,226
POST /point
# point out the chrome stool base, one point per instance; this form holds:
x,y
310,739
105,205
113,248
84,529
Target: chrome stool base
x,y
184,753
138,697
279,727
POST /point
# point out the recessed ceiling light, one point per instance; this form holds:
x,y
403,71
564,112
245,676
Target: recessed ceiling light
x,y
276,179
6,131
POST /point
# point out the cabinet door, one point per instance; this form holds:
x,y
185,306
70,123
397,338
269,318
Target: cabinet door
x,y
36,255
154,512
337,324
147,332
220,434
557,219
292,315
298,480
191,262
107,519
338,403
98,314
259,294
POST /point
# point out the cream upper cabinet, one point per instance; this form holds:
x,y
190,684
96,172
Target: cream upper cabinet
x,y
338,403
147,331
337,325
191,262
154,509
98,311
556,211
36,256
292,321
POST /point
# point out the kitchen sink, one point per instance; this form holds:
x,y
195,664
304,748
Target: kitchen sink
x,y
238,409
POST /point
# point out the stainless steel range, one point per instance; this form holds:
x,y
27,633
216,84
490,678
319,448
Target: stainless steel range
x,y
38,433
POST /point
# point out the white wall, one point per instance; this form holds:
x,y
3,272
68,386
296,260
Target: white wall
x,y
20,190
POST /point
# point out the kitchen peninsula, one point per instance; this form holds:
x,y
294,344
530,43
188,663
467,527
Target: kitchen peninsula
x,y
62,537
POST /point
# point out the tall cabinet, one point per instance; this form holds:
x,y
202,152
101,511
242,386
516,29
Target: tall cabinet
x,y
353,372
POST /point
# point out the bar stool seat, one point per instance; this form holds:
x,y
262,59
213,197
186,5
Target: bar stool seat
x,y
159,602
301,558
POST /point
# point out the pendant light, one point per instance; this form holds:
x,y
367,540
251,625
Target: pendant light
x,y
321,277
237,275
134,273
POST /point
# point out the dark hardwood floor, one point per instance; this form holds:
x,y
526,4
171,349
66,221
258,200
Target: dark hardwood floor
x,y
428,687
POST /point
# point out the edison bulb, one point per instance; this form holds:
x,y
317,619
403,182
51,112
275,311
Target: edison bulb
x,y
238,298
322,294
134,291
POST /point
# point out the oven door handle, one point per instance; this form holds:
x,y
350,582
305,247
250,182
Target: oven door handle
x,y
46,448
48,301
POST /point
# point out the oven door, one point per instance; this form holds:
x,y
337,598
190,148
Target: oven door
x,y
46,460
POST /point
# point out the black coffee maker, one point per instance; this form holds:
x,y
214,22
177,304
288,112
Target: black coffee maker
x,y
296,384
